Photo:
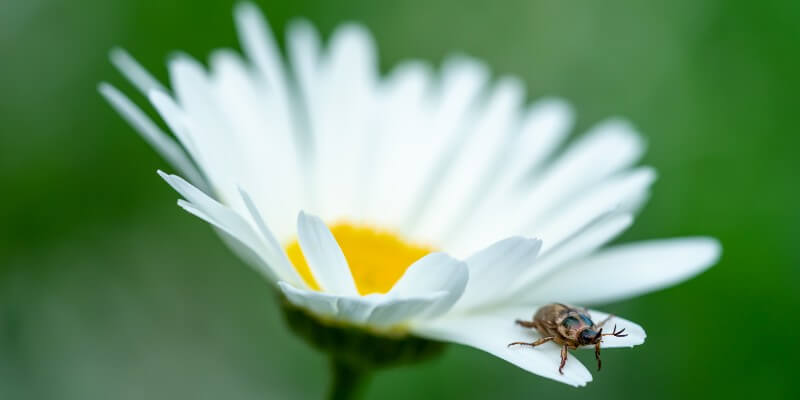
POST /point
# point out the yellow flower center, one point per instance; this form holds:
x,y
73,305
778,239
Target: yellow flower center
x,y
377,259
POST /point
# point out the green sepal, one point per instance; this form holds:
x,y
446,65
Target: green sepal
x,y
359,347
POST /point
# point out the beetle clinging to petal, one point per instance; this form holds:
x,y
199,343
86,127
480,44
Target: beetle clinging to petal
x,y
570,327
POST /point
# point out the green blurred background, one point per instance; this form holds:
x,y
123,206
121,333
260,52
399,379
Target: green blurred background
x,y
109,291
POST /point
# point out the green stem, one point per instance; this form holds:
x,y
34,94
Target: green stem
x,y
348,380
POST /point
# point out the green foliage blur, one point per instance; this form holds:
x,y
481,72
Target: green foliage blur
x,y
109,291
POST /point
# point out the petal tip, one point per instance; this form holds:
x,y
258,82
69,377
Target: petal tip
x,y
118,54
714,249
245,9
302,217
179,59
105,88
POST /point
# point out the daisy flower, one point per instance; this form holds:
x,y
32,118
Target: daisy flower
x,y
406,204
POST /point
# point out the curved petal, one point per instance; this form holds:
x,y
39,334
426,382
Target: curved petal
x,y
436,272
613,194
375,309
396,310
492,332
590,238
259,44
357,309
494,269
303,48
263,143
324,256
207,128
342,119
636,334
402,119
543,128
429,287
454,99
473,165
229,222
351,309
134,71
609,147
319,303
281,261
626,271
176,121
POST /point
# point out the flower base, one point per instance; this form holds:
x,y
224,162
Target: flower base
x,y
356,351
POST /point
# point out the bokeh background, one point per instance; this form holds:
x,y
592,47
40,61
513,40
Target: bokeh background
x,y
109,291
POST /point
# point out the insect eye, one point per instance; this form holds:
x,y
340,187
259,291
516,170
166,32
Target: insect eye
x,y
587,320
588,336
571,322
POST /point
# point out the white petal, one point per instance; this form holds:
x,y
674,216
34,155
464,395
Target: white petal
x,y
343,118
281,263
471,172
613,194
280,134
237,241
397,310
609,147
375,309
134,71
162,143
436,272
351,309
626,271
303,46
264,141
207,126
636,334
357,309
492,332
176,120
324,256
494,269
323,304
398,171
194,91
462,80
593,236
259,44
444,115
543,128
230,222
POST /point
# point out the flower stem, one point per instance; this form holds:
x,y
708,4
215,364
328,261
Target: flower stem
x,y
349,380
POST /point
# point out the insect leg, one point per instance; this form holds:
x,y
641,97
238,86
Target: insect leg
x,y
534,344
563,360
527,324
597,355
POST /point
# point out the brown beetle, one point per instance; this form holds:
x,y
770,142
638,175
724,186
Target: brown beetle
x,y
569,327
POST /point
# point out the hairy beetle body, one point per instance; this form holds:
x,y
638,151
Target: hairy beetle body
x,y
569,327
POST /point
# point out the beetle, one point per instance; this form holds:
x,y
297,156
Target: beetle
x,y
570,327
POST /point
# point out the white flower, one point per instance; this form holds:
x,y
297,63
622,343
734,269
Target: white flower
x,y
442,158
